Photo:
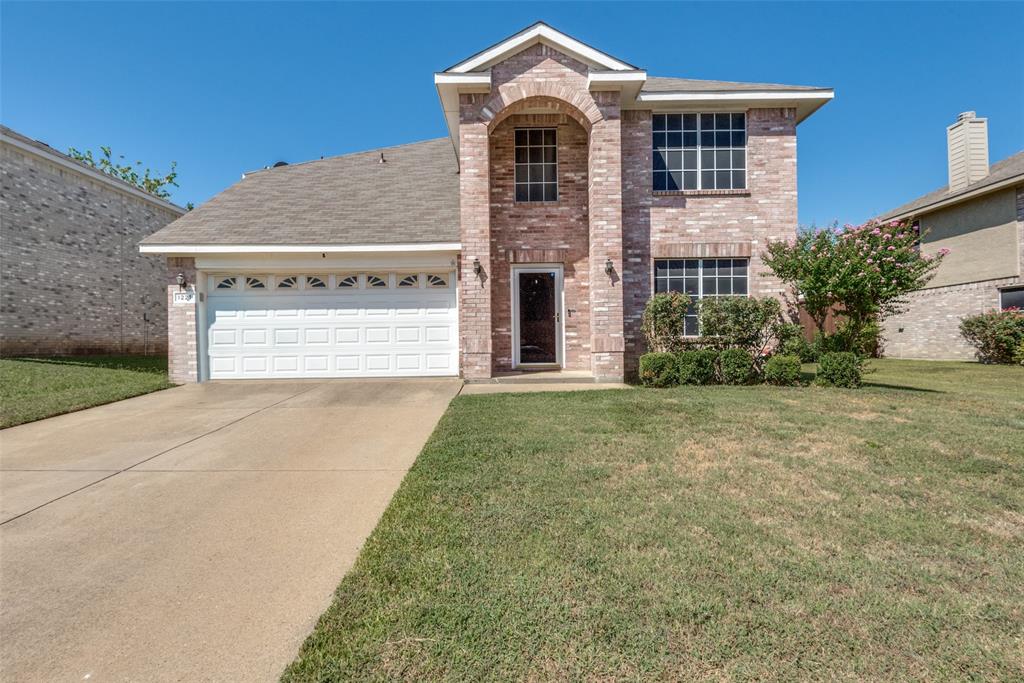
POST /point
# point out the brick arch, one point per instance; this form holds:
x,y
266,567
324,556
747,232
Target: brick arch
x,y
566,101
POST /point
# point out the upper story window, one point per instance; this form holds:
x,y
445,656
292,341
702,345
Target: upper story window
x,y
699,151
536,165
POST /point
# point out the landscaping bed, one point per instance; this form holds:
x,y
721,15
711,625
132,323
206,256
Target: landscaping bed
x,y
34,388
741,532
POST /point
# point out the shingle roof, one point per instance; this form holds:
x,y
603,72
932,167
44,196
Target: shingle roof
x,y
412,198
660,84
1000,171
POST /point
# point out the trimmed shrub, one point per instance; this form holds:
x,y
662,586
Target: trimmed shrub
x,y
782,371
664,320
742,322
996,336
697,366
1018,357
840,369
799,347
658,369
736,366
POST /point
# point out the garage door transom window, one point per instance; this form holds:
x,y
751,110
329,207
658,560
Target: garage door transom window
x,y
268,284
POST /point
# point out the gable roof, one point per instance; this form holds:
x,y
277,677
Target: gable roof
x,y
1009,171
411,198
531,35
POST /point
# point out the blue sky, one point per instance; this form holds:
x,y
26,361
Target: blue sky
x,y
226,87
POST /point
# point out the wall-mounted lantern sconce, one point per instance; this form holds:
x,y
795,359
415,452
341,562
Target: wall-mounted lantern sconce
x,y
477,268
180,279
609,267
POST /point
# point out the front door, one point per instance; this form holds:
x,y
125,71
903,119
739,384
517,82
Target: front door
x,y
538,316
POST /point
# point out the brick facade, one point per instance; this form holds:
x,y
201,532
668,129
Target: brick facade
x,y
618,218
182,324
73,278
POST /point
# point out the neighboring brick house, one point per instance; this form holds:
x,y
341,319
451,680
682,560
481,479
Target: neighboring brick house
x,y
979,217
571,187
71,278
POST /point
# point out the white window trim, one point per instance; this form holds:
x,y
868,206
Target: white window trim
x,y
700,148
528,183
700,279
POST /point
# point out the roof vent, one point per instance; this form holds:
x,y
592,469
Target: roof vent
x,y
280,163
382,159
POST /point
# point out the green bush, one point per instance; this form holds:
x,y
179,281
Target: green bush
x,y
996,336
840,369
658,369
799,347
741,322
782,371
697,366
1018,357
736,366
663,321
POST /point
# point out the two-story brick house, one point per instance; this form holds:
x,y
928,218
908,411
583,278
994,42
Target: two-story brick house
x,y
571,187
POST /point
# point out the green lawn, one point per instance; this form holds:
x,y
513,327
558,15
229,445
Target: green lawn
x,y
742,533
34,388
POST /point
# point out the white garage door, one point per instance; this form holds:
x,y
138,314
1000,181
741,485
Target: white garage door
x,y
383,324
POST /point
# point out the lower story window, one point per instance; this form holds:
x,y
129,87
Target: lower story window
x,y
700,278
1011,298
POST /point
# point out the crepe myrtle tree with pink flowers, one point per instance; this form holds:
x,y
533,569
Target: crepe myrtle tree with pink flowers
x,y
862,273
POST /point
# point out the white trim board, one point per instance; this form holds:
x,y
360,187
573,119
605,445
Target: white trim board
x,y
293,248
539,32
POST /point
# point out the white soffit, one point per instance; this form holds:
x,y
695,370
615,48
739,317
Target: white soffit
x,y
294,248
806,102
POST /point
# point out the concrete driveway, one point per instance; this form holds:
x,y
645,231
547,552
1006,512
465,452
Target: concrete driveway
x,y
196,533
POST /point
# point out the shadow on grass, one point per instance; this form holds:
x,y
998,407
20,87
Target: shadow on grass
x,y
901,387
148,364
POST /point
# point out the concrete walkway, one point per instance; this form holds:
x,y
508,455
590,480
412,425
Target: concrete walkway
x,y
196,533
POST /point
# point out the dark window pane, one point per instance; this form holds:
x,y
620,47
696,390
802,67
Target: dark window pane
x,y
689,122
522,155
709,286
739,180
549,137
660,267
722,121
739,139
536,173
521,138
724,266
738,121
692,267
675,122
675,140
707,180
691,286
658,121
739,266
659,181
690,326
660,286
536,193
1011,298
522,193
707,159
536,136
724,286
690,159
739,159
690,139
675,161
521,173
676,267
536,155
659,141
707,139
690,180
675,180
723,180
707,121
659,160
722,139
675,285
739,285
550,173
722,159
550,192
549,155
710,266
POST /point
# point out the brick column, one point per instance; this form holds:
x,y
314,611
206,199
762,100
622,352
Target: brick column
x,y
475,230
182,340
607,343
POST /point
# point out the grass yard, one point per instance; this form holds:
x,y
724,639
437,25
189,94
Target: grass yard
x,y
34,388
742,533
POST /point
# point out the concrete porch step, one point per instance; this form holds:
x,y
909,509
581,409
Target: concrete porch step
x,y
540,377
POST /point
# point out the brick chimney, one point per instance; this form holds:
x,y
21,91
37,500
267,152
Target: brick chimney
x,y
967,142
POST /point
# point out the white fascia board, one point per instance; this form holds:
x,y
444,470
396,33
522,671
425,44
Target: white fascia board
x,y
951,201
752,95
533,34
59,159
477,79
293,248
608,80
